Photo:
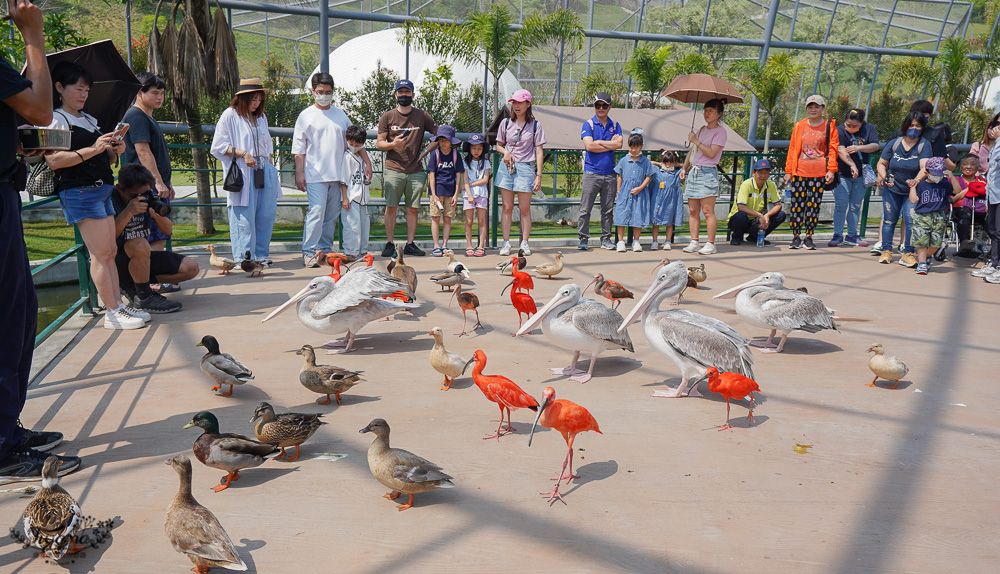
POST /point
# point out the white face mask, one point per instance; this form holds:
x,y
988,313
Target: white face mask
x,y
934,178
323,99
634,155
671,168
355,148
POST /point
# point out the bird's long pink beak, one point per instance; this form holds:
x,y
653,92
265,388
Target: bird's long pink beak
x,y
734,291
295,299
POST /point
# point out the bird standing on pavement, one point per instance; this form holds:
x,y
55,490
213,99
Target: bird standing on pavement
x,y
502,391
444,361
611,290
53,517
254,268
570,419
401,470
285,430
224,264
520,261
325,379
551,269
520,298
731,386
222,368
229,452
889,368
468,301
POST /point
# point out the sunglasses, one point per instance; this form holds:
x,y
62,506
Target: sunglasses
x,y
601,106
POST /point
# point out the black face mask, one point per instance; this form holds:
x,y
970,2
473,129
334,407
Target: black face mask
x,y
404,101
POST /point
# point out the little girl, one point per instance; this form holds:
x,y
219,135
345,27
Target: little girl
x,y
477,191
632,203
666,201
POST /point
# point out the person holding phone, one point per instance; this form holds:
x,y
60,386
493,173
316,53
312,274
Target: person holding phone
x,y
519,140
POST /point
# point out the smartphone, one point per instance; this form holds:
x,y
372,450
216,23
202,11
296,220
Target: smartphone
x,y
120,131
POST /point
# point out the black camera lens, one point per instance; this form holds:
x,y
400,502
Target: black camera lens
x,y
153,200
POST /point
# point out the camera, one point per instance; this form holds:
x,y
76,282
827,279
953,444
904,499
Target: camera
x,y
153,200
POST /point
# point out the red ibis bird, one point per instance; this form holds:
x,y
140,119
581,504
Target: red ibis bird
x,y
502,391
568,418
468,302
525,282
608,289
520,299
731,386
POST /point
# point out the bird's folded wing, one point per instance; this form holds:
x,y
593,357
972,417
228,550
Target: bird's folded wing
x,y
231,366
598,321
358,285
412,468
707,341
793,310
298,419
245,445
203,536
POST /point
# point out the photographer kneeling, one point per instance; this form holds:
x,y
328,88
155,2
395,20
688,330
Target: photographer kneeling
x,y
136,207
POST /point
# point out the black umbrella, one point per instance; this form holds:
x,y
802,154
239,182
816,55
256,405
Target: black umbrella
x,y
115,85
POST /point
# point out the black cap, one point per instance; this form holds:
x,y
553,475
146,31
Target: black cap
x,y
602,97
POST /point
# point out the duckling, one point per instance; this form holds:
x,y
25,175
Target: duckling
x,y
698,273
444,361
449,279
252,267
194,531
229,452
888,368
284,430
324,379
219,262
401,470
522,261
222,368
52,518
403,271
551,269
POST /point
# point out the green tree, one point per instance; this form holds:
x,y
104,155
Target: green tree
x,y
767,83
602,81
649,68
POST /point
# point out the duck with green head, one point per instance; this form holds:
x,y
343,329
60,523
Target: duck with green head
x,y
222,368
229,452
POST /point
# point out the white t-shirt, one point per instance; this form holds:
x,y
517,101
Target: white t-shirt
x,y
62,120
353,169
320,135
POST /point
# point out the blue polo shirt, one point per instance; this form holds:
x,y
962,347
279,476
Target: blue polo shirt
x,y
600,163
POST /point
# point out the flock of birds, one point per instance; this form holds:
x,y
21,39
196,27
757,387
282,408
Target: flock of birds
x,y
353,295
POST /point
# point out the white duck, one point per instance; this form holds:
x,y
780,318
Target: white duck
x,y
456,266
329,306
577,325
444,361
692,341
889,368
766,302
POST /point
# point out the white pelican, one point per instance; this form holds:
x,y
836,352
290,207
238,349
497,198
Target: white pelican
x,y
330,306
577,325
692,341
766,302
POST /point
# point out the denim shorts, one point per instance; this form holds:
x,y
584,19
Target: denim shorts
x,y
91,202
701,182
522,181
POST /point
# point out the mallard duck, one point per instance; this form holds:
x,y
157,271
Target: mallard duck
x,y
698,273
325,379
449,279
551,269
222,368
194,531
403,271
456,266
444,361
222,263
284,430
889,368
401,470
251,266
52,518
229,452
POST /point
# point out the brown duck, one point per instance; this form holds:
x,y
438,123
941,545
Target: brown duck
x,y
325,379
194,531
285,430
401,470
53,517
403,271
229,452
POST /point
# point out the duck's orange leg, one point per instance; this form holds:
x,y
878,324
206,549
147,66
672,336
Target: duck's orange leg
x,y
282,455
200,569
446,384
293,458
402,507
872,384
392,495
322,402
337,396
226,394
229,478
216,387
896,384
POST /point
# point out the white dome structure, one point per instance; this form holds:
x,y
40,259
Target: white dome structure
x,y
356,59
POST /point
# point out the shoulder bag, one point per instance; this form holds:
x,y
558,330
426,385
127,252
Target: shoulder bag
x,y
826,154
234,178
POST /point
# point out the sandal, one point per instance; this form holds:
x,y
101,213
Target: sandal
x,y
469,252
437,252
480,252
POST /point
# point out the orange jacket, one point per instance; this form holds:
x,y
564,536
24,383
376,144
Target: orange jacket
x,y
795,149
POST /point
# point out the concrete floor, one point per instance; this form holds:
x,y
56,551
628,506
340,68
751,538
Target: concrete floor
x,y
896,480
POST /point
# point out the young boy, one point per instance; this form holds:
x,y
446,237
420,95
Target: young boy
x,y
354,195
930,217
445,173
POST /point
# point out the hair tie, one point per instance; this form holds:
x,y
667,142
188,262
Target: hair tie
x,y
637,131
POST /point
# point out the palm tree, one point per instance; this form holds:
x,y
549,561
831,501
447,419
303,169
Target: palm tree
x,y
649,68
487,38
767,83
197,58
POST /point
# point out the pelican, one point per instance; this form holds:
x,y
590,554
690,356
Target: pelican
x,y
692,341
577,325
766,302
329,306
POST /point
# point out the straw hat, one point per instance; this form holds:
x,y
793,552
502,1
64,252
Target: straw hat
x,y
250,85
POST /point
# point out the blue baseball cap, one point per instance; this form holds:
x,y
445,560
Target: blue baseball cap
x,y
762,163
403,84
476,139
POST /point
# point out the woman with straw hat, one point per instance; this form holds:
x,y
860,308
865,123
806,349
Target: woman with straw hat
x,y
242,136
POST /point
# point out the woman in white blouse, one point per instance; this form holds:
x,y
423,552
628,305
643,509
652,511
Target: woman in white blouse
x,y
242,136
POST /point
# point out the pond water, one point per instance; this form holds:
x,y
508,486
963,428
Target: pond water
x,y
53,301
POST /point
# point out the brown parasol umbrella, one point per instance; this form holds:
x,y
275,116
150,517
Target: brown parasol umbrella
x,y
700,88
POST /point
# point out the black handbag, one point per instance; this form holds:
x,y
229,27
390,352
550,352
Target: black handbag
x,y
258,178
836,175
234,178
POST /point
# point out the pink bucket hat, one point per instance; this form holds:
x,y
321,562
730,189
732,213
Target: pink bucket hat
x,y
521,95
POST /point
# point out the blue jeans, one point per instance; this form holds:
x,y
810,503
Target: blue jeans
x,y
892,205
321,219
354,232
848,197
250,226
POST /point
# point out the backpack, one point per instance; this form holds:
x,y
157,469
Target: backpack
x,y
899,142
454,156
534,128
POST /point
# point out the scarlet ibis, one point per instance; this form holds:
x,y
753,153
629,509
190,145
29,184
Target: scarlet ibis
x,y
730,386
521,300
525,282
468,302
568,418
608,289
502,391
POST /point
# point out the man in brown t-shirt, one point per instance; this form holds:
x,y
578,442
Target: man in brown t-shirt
x,y
400,135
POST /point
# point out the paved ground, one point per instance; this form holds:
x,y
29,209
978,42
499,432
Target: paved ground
x,y
896,480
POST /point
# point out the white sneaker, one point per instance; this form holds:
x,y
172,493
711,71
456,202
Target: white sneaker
x,y
707,249
636,248
137,313
666,246
505,250
620,248
994,278
985,271
692,247
524,247
654,246
121,320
